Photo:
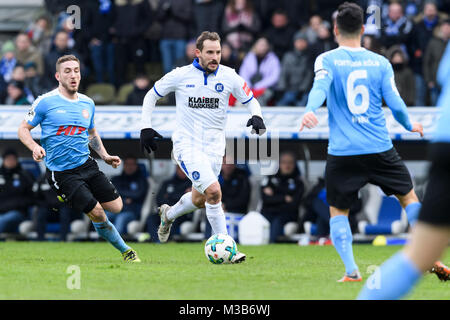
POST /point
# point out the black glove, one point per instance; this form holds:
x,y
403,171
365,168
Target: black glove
x,y
257,125
147,139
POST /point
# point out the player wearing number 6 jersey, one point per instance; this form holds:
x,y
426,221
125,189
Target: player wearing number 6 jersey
x,y
354,81
202,90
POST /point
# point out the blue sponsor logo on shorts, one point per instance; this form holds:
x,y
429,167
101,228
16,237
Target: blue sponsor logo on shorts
x,y
195,175
219,87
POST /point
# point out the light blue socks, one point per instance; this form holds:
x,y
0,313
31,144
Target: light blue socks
x,y
395,278
412,212
107,231
342,238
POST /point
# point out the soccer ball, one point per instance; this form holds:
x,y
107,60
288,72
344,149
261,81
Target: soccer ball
x,y
220,249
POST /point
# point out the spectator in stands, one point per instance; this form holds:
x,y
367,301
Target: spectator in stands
x,y
132,186
19,75
99,20
397,28
404,77
371,43
424,28
296,73
261,70
26,52
50,209
132,20
235,187
298,11
432,57
169,193
32,81
324,42
240,25
208,15
175,17
60,48
141,85
189,55
8,61
312,29
15,189
16,94
281,195
40,33
229,56
280,33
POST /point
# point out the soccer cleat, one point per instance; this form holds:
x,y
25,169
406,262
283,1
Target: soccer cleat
x,y
130,256
238,258
165,225
441,271
355,276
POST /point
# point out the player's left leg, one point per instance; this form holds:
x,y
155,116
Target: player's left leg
x,y
411,204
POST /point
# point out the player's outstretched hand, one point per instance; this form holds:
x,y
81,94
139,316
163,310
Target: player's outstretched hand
x,y
38,153
309,120
257,124
417,127
148,136
113,161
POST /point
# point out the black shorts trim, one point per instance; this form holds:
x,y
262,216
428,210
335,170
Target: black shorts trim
x,y
436,203
82,187
346,175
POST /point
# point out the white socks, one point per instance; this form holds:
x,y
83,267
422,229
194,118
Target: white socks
x,y
183,206
216,218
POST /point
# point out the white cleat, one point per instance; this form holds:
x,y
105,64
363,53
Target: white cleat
x,y
238,258
165,225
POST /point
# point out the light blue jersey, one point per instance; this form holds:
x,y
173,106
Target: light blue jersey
x,y
442,133
354,81
64,125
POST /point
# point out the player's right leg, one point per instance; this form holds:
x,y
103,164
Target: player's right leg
x,y
344,176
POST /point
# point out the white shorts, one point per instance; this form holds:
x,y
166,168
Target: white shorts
x,y
201,168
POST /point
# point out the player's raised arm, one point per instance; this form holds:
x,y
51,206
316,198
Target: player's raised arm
x,y
95,142
162,87
318,93
395,102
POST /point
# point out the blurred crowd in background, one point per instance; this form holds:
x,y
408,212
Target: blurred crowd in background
x,y
126,45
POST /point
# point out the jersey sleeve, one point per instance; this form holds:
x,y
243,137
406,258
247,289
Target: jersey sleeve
x,y
36,113
322,82
166,84
92,123
241,91
393,99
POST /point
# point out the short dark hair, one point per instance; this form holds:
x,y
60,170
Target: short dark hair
x,y
68,57
350,18
206,35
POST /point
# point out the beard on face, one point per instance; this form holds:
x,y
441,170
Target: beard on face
x,y
205,66
69,88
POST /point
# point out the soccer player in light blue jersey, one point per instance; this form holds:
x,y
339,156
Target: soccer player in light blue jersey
x,y
354,82
66,118
431,234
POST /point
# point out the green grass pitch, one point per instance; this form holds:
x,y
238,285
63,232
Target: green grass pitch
x,y
178,271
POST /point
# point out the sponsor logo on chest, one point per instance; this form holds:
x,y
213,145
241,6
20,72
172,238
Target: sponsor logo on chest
x,y
203,103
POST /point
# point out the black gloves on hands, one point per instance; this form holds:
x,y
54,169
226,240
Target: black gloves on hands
x,y
257,125
148,136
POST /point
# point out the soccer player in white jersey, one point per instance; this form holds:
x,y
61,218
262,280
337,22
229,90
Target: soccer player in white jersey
x,y
354,81
202,90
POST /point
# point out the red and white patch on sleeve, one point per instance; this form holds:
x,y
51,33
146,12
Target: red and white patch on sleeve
x,y
246,89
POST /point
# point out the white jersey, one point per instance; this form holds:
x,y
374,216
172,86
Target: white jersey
x,y
202,103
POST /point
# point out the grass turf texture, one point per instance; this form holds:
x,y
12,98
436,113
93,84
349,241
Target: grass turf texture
x,y
37,270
